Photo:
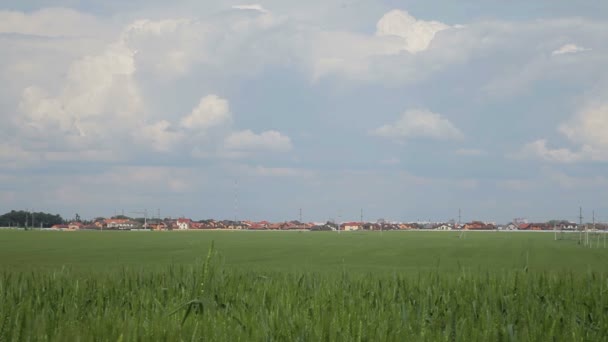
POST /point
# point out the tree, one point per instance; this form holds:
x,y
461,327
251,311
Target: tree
x,y
23,218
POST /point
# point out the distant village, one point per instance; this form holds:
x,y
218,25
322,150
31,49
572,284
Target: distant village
x,y
184,224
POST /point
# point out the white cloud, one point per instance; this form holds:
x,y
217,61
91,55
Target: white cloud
x,y
253,7
168,48
160,136
539,149
392,54
569,48
249,141
589,127
416,34
586,130
246,140
99,93
52,22
420,124
212,111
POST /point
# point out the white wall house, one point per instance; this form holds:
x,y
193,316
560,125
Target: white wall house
x,y
183,224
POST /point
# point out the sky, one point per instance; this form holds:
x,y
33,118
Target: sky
x,y
402,110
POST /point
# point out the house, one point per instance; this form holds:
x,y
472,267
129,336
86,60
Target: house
x,y
184,223
322,227
257,226
371,226
119,224
197,225
211,224
540,226
445,226
157,225
75,225
601,226
274,226
567,226
478,225
406,226
350,226
60,226
524,226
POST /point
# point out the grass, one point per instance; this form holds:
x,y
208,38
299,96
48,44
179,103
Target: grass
x,y
288,286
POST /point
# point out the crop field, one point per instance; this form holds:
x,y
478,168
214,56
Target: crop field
x,y
301,286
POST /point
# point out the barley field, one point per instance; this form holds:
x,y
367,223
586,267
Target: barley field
x,y
301,286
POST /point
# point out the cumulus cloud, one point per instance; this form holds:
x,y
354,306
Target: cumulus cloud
x,y
539,149
391,54
100,105
167,48
211,111
586,130
569,48
589,127
99,93
416,34
160,136
420,124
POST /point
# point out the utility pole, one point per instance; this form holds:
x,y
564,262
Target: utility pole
x,y
301,215
554,232
459,216
593,213
462,232
361,215
580,228
145,212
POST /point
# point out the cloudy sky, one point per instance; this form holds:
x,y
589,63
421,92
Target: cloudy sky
x,y
408,110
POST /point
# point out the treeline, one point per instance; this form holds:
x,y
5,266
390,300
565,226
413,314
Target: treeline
x,y
29,219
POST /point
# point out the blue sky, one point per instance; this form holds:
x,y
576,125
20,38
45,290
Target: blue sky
x,y
408,110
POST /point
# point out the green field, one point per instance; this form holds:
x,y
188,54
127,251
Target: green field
x,y
290,286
